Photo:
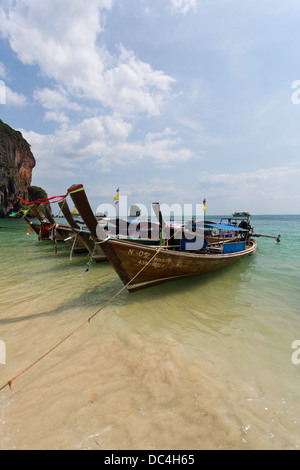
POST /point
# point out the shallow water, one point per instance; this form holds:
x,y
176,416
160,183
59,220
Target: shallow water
x,y
200,363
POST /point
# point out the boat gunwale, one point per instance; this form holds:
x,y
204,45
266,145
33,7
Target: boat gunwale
x,y
168,250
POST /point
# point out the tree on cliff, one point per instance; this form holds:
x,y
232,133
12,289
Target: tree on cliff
x,y
35,192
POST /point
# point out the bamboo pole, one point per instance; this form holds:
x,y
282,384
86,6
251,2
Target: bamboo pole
x,y
266,236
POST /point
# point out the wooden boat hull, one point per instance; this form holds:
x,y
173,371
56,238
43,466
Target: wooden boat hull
x,y
68,236
75,239
85,244
140,266
83,239
42,230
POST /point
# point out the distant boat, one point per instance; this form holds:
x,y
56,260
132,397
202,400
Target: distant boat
x,y
241,214
101,215
134,211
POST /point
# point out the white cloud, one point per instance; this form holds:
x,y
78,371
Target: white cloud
x,y
51,99
15,99
2,70
102,72
54,116
66,49
164,148
253,178
275,187
132,86
183,6
99,144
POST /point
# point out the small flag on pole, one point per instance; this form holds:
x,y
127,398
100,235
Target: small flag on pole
x,y
117,197
204,204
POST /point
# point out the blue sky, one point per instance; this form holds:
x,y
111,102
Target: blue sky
x,y
169,100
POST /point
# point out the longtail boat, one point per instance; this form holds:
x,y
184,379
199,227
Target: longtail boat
x,y
43,229
143,232
61,232
67,233
140,265
80,235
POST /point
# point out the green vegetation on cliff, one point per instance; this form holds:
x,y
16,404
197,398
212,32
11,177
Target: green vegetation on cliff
x,y
12,134
35,192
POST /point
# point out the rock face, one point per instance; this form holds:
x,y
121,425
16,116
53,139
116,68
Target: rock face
x,y
16,164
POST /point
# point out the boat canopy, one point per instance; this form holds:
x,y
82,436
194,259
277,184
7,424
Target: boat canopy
x,y
227,227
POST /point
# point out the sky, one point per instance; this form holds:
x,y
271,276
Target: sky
x,y
168,100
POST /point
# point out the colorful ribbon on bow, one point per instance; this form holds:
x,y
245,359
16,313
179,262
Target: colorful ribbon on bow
x,y
49,200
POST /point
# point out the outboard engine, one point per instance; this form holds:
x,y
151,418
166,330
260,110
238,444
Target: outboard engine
x,y
245,224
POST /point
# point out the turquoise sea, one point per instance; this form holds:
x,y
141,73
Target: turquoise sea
x,y
199,363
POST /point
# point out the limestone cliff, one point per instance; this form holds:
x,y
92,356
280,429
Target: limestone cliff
x,y
16,164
